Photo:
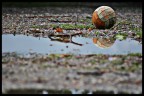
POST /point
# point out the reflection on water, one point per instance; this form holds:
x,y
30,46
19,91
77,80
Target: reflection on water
x,y
25,44
64,38
103,42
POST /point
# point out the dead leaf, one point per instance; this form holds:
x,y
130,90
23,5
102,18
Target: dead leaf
x,y
59,30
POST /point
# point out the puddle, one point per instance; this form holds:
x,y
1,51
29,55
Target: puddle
x,y
79,45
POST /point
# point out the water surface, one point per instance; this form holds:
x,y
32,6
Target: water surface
x,y
25,44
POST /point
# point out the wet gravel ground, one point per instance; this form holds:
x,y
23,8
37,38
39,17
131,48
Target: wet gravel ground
x,y
97,73
43,20
105,73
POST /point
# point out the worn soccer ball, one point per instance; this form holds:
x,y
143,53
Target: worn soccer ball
x,y
104,17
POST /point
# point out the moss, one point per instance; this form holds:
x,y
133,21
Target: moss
x,y
96,33
138,30
117,61
135,67
88,19
73,26
139,34
38,26
53,25
121,36
103,61
134,54
65,26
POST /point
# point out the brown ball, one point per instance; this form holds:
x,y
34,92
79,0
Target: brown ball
x,y
104,17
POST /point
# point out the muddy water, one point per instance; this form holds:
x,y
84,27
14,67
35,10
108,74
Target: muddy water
x,y
80,45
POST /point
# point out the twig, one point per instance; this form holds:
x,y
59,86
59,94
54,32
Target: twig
x,y
61,39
